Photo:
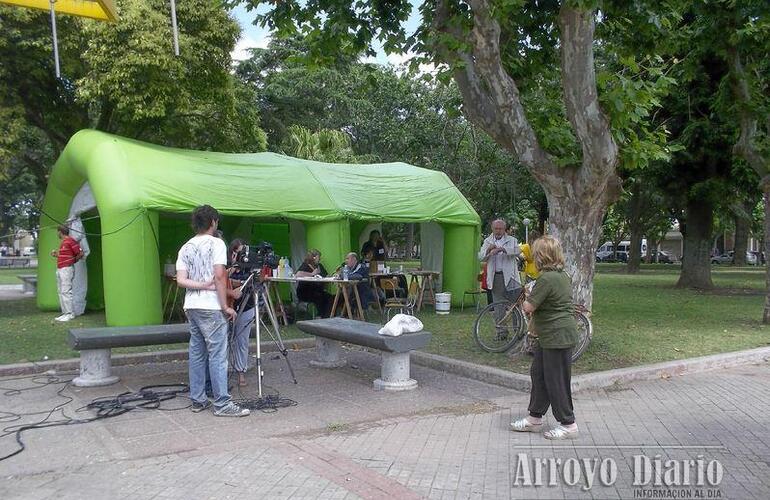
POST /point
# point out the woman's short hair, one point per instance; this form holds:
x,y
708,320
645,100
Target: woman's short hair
x,y
310,254
548,254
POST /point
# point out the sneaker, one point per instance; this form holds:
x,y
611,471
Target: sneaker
x,y
198,407
561,432
59,317
65,317
231,410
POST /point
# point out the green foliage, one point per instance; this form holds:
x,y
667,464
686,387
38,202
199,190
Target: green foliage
x,y
389,115
325,145
632,78
144,91
122,78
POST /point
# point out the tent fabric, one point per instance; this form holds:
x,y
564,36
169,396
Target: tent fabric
x,y
144,193
268,184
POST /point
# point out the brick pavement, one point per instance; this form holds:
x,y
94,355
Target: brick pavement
x,y
449,439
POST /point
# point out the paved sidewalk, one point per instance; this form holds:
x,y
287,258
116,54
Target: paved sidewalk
x,y
448,439
13,292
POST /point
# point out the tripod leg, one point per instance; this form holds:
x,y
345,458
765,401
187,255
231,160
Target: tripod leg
x,y
277,337
259,348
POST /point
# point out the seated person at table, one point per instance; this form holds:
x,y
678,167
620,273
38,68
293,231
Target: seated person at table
x,y
355,270
314,292
375,246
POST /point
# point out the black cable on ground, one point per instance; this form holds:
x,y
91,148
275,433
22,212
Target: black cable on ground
x,y
270,403
148,397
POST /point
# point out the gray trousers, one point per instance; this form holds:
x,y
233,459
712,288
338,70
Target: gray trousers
x,y
64,279
500,293
240,340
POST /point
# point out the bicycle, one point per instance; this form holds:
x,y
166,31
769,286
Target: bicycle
x,y
512,328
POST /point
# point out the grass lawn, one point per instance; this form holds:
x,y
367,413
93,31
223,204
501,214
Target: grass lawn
x,y
641,319
637,320
28,334
8,276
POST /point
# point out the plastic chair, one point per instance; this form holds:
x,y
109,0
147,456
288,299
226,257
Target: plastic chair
x,y
394,302
475,294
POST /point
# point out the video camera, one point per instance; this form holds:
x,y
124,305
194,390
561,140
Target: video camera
x,y
253,258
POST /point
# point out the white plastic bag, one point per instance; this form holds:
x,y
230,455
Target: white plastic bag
x,y
401,323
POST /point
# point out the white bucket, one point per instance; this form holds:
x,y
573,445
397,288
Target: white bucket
x,y
443,303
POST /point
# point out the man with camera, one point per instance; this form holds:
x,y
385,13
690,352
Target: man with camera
x,y
201,271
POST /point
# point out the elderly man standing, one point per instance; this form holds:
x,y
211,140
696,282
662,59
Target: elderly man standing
x,y
500,251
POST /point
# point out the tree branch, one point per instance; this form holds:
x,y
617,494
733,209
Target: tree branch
x,y
744,146
490,96
39,170
581,97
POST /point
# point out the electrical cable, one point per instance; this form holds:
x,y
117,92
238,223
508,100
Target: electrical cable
x,y
149,397
141,212
270,403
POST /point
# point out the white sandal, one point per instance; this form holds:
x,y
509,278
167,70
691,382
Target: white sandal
x,y
524,425
561,432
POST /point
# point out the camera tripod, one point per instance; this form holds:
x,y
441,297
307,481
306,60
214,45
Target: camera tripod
x,y
259,291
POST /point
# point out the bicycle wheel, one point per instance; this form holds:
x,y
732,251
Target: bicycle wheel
x,y
494,335
585,332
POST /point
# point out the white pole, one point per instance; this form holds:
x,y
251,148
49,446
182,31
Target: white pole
x,y
174,28
526,230
55,39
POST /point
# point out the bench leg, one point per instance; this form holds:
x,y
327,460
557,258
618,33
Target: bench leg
x,y
328,353
395,373
95,368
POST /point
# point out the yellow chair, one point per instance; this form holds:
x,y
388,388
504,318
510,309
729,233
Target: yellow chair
x,y
395,303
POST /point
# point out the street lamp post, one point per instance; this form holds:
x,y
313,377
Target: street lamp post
x,y
526,230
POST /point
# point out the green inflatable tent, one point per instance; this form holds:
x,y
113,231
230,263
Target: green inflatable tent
x,y
135,199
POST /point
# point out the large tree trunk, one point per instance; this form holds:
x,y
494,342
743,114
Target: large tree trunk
x,y
577,195
542,215
748,150
635,252
696,261
742,235
578,225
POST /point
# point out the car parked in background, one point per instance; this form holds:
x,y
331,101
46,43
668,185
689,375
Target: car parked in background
x,y
605,256
666,258
729,258
29,252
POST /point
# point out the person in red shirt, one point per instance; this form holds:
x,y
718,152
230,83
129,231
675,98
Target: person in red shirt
x,y
68,253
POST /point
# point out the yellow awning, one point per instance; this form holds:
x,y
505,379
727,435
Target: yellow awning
x,y
95,9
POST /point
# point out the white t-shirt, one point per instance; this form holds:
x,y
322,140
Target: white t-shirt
x,y
198,257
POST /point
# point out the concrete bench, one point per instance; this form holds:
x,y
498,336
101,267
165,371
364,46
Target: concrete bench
x,y
331,332
95,346
28,283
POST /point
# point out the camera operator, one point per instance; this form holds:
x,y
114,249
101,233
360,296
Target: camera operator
x,y
201,271
245,305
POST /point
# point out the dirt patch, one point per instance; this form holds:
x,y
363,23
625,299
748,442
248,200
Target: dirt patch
x,y
477,408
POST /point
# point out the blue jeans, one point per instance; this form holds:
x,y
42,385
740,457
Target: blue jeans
x,y
208,348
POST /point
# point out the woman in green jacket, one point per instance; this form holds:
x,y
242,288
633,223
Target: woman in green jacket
x,y
555,330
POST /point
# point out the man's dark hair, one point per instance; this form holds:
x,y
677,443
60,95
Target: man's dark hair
x,y
203,217
64,230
